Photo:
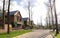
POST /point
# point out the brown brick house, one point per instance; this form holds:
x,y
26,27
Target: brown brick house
x,y
15,17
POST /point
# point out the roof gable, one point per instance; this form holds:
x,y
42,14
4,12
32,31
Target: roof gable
x,y
11,13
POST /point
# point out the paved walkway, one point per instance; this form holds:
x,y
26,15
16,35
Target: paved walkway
x,y
49,36
36,34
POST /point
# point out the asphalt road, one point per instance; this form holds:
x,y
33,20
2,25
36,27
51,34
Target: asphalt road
x,y
36,34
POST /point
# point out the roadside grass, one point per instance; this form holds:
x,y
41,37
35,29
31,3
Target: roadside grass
x,y
58,36
14,33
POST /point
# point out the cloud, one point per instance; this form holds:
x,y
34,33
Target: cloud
x,y
39,11
15,6
38,8
1,4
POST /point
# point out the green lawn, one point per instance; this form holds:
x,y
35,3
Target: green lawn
x,y
14,33
58,36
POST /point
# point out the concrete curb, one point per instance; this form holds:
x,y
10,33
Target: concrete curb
x,y
53,36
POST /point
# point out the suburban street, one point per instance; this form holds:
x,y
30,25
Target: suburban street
x,y
29,19
36,34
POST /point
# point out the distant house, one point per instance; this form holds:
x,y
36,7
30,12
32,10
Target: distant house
x,y
0,18
26,22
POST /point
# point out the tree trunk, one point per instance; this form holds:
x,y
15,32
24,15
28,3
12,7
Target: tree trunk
x,y
51,14
3,14
8,15
56,22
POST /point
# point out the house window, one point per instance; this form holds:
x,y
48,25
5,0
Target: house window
x,y
17,18
20,19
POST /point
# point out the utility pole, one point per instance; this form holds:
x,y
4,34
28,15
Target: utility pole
x,y
56,22
41,21
48,14
3,14
31,18
47,21
51,7
29,10
37,21
8,16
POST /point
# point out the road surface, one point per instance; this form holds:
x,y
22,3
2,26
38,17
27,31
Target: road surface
x,y
36,34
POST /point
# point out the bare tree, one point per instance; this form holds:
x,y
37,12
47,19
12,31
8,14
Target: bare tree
x,y
8,16
49,18
51,9
56,22
48,14
3,14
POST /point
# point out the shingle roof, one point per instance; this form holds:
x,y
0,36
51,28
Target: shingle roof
x,y
13,12
24,19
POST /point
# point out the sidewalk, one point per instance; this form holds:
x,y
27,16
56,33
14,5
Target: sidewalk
x,y
49,36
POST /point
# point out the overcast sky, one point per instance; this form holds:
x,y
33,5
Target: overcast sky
x,y
39,9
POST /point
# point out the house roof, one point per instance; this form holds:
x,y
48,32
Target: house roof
x,y
12,12
25,19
